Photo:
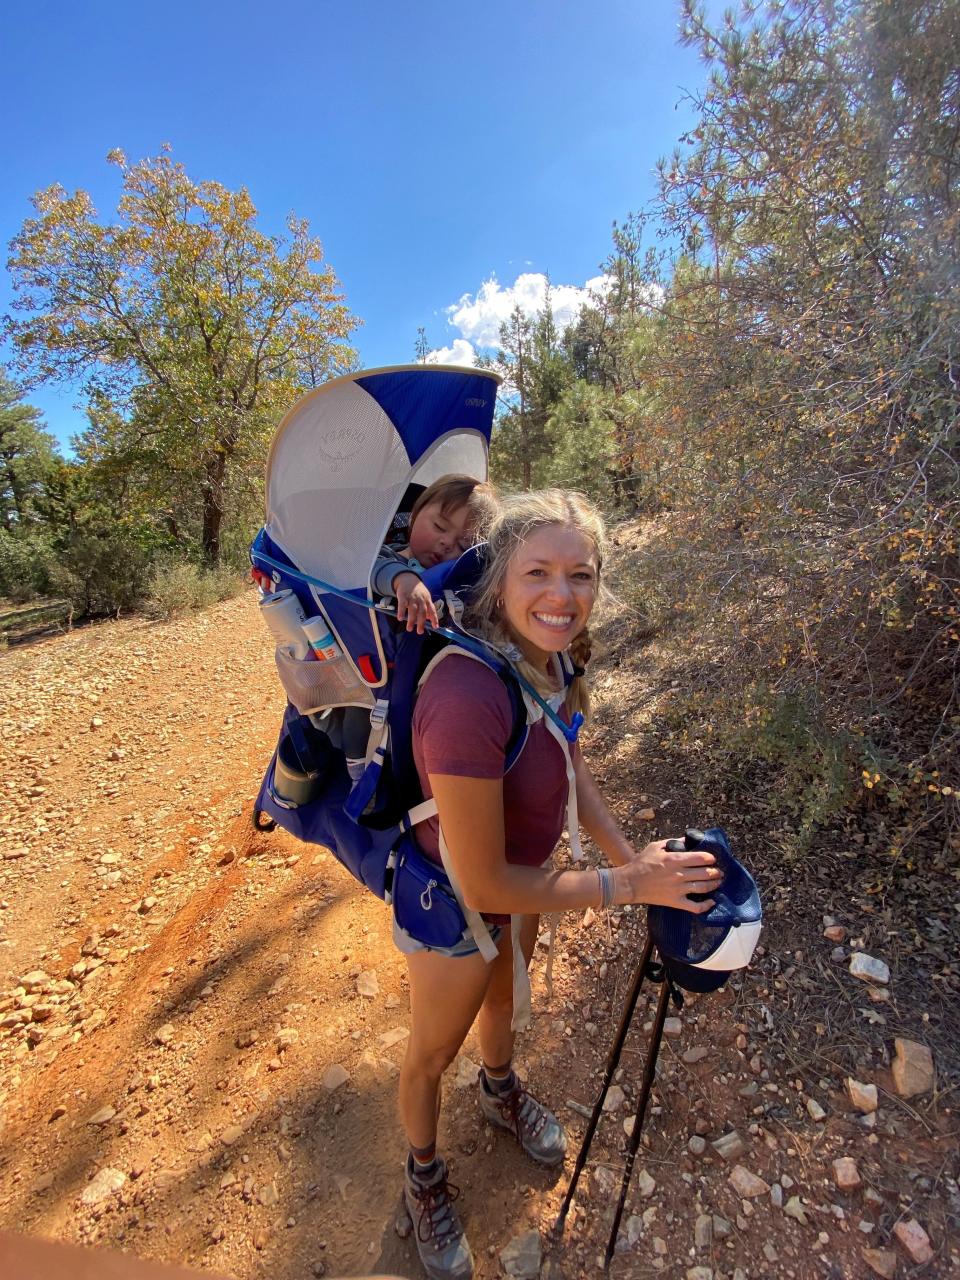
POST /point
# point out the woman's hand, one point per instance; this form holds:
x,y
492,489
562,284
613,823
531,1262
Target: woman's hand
x,y
414,605
658,877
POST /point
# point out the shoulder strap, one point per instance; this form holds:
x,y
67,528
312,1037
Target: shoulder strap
x,y
518,730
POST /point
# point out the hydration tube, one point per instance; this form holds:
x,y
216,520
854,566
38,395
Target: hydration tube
x,y
463,639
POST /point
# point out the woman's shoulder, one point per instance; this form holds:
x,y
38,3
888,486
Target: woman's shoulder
x,y
468,686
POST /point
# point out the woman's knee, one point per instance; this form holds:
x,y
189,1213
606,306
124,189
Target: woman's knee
x,y
429,1061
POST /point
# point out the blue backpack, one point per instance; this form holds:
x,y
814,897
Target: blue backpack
x,y
344,460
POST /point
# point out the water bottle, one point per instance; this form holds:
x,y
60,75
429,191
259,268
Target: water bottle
x,y
284,617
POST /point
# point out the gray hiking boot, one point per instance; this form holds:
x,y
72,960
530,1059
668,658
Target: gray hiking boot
x,y
538,1130
426,1206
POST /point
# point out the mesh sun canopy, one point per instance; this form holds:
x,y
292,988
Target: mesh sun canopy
x,y
343,456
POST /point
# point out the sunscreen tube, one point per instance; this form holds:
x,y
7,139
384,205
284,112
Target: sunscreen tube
x,y
325,648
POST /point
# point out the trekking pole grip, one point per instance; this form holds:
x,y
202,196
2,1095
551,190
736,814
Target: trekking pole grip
x,y
693,839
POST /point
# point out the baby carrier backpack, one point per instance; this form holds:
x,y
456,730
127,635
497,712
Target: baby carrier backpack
x,y
345,460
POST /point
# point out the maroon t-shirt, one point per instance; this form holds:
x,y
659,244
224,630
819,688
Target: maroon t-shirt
x,y
461,726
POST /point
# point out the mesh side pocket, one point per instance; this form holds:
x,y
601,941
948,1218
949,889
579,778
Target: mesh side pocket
x,y
312,685
704,939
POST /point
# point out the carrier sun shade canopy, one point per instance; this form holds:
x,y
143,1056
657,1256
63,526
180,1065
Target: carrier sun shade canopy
x,y
344,455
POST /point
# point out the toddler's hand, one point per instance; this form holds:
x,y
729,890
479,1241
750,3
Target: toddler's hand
x,y
414,605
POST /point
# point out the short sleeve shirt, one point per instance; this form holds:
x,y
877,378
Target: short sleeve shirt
x,y
461,726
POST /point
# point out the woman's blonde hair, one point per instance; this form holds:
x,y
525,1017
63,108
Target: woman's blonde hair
x,y
520,516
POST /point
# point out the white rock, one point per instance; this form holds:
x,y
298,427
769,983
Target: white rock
x,y
914,1239
912,1068
367,984
334,1076
845,1173
645,1184
747,1184
730,1146
467,1072
634,1229
695,1054
815,1111
862,1096
615,1098
522,1257
868,968
103,1186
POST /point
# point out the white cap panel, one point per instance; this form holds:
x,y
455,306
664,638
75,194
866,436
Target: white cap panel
x,y
736,950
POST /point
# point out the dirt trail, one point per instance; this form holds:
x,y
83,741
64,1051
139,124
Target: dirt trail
x,y
189,1071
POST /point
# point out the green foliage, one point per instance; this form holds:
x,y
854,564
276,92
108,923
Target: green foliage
x,y
28,564
177,587
101,571
192,329
536,371
581,429
772,747
28,459
797,393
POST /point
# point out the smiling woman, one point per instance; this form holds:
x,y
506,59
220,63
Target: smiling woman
x,y
495,830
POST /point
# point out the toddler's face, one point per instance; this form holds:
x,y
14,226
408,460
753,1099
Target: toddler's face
x,y
436,535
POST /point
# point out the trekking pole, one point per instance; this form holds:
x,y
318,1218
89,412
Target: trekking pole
x,y
649,1071
613,1060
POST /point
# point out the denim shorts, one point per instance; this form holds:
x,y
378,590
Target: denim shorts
x,y
410,945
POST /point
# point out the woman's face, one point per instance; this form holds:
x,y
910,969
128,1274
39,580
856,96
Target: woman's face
x,y
549,590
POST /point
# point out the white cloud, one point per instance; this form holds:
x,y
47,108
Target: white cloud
x,y
461,352
479,316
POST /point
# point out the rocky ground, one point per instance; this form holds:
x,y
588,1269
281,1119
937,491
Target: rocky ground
x,y
201,1025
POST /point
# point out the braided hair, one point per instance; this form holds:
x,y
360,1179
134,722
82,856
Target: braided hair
x,y
520,516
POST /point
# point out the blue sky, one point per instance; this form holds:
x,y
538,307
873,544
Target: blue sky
x,y
439,157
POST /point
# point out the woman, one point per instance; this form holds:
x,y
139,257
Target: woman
x,y
534,601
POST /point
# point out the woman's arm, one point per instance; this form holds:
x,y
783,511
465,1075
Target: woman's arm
x,y
471,816
597,820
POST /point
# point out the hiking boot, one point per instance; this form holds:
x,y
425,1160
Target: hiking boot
x,y
538,1130
426,1206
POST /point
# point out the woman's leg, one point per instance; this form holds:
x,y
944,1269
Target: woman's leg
x,y
445,995
505,1102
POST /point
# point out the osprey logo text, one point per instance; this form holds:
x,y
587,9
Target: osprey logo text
x,y
474,403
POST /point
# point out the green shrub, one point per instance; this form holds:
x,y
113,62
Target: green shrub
x,y
102,571
28,564
176,587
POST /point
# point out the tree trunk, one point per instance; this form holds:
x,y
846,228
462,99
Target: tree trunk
x,y
212,493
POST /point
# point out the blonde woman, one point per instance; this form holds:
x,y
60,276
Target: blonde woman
x,y
535,598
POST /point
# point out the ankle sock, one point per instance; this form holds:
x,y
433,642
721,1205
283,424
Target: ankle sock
x,y
499,1079
423,1160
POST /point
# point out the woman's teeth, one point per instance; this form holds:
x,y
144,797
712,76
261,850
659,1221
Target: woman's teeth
x,y
559,620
